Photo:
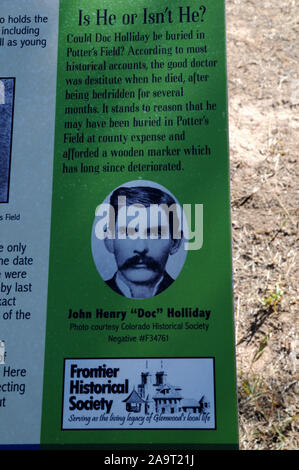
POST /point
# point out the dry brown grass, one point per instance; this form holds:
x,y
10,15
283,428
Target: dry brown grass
x,y
262,46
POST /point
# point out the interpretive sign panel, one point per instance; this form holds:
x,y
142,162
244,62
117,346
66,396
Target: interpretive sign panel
x,y
115,250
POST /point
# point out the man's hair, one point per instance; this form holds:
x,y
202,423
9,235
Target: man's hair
x,y
147,196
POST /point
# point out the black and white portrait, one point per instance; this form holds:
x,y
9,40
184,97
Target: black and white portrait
x,y
7,86
137,241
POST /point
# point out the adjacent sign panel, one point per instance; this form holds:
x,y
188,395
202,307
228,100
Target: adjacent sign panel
x,y
138,325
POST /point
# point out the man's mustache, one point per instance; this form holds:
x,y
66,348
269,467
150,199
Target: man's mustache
x,y
132,262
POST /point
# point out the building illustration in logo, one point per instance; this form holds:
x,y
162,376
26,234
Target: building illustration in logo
x,y
155,394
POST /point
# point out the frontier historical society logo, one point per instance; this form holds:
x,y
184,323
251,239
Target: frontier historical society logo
x,y
139,393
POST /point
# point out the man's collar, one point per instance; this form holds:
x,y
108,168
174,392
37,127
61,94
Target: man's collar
x,y
125,289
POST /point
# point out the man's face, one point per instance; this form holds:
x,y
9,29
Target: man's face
x,y
141,260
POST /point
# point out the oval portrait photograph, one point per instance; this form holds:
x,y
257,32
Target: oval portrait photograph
x,y
137,239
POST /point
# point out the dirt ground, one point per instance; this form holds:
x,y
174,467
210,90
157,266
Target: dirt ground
x,y
263,87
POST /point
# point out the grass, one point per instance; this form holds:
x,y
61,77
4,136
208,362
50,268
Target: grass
x,y
265,420
274,298
262,45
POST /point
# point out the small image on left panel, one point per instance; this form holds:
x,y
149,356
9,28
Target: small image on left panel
x,y
7,93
